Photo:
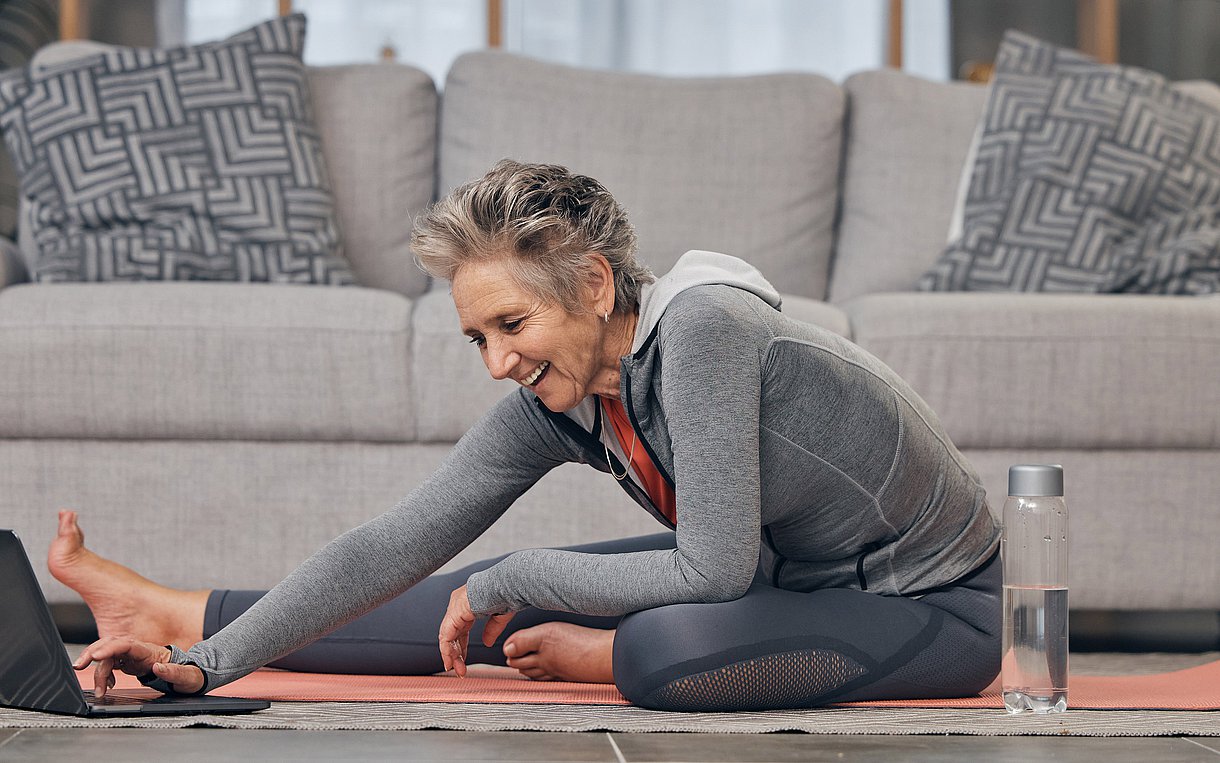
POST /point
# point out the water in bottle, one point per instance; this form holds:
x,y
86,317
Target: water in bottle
x,y
1034,550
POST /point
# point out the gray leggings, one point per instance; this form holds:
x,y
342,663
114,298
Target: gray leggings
x,y
770,649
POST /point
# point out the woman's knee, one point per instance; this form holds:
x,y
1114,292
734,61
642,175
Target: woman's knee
x,y
639,647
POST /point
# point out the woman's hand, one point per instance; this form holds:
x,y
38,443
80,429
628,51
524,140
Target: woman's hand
x,y
135,658
455,631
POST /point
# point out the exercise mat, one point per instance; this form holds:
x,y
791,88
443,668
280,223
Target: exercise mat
x,y
1196,688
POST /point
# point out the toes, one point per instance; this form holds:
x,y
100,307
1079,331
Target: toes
x,y
521,663
537,674
68,529
524,642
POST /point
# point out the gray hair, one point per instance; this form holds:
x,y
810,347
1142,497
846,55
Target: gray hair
x,y
548,219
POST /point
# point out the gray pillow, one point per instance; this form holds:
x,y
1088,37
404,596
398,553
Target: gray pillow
x,y
191,163
1088,178
25,26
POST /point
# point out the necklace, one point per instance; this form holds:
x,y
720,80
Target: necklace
x,y
630,457
623,476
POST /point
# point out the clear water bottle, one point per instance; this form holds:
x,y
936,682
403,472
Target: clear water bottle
x,y
1034,548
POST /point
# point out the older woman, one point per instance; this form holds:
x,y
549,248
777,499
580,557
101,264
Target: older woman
x,y
827,541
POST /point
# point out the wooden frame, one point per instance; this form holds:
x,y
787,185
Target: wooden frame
x,y
72,19
894,56
1097,29
495,23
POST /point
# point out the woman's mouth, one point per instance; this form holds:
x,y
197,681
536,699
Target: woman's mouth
x,y
537,374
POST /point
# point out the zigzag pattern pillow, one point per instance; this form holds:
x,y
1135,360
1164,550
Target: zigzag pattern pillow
x,y
192,163
1088,178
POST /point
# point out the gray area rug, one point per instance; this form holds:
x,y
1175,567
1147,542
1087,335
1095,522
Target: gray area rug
x,y
327,716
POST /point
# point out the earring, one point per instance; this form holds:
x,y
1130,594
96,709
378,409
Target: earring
x,y
606,317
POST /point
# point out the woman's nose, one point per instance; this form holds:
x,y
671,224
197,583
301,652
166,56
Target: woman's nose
x,y
501,360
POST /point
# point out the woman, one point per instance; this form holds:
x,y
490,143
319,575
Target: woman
x,y
828,543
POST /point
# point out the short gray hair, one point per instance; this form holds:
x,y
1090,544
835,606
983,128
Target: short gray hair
x,y
548,219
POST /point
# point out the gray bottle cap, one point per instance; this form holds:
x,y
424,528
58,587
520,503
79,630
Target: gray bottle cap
x,y
1035,479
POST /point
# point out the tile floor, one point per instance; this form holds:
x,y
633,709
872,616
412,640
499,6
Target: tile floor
x,y
454,746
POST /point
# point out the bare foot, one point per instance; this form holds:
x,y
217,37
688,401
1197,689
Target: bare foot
x,y
562,652
124,603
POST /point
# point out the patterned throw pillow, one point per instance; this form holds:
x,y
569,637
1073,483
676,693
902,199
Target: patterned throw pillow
x,y
1088,178
191,163
25,26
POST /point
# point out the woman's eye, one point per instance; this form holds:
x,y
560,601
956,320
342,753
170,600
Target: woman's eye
x,y
511,325
476,340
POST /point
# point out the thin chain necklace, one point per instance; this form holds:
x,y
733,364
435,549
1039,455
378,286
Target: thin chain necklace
x,y
630,458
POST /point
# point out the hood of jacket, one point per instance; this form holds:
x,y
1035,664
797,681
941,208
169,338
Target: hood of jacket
x,y
697,268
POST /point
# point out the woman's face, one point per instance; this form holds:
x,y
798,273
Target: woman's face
x,y
562,357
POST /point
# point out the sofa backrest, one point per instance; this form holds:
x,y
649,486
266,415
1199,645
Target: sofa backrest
x,y
378,127
907,140
743,165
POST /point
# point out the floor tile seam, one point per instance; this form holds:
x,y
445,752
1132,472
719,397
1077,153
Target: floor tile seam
x,y
617,752
11,737
1186,739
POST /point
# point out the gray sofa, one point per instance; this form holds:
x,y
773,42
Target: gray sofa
x,y
214,435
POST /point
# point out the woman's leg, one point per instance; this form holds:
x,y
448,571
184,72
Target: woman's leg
x,y
399,638
774,649
123,602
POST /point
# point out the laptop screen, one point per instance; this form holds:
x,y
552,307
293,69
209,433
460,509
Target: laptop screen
x,y
34,668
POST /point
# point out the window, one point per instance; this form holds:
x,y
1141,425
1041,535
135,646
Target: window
x,y
672,37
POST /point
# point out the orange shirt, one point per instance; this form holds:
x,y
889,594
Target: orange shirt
x,y
658,489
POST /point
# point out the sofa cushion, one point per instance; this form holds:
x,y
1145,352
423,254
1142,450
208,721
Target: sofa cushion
x,y
906,144
1054,370
1089,178
378,128
215,361
818,313
194,163
743,165
452,387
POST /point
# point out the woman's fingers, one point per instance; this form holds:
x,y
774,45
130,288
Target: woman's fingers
x,y
455,632
133,657
495,626
103,674
459,658
185,679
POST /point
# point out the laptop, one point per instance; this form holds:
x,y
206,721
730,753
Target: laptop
x,y
36,674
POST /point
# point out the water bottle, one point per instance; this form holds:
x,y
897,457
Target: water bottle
x,y
1034,548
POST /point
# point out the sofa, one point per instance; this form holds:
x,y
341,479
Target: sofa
x,y
213,435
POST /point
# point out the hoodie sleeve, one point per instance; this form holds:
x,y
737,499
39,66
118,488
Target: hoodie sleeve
x,y
501,456
711,379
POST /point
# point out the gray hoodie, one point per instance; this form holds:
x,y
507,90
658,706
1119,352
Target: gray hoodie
x,y
787,446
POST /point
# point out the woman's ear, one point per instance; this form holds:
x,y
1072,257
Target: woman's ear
x,y
601,284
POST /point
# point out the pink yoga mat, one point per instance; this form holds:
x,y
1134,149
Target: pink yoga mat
x,y
1195,688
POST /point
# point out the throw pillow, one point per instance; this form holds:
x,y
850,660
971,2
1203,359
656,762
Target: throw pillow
x,y
191,163
25,26
1088,178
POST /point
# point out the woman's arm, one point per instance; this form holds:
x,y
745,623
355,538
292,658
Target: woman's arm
x,y
501,456
711,379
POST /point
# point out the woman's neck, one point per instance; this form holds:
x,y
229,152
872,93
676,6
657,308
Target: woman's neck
x,y
619,336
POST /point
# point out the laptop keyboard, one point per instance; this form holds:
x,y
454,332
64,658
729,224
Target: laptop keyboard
x,y
112,699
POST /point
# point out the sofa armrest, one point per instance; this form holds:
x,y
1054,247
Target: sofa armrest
x,y
12,267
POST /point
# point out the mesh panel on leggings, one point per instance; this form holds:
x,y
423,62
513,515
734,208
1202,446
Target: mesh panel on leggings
x,y
960,656
784,680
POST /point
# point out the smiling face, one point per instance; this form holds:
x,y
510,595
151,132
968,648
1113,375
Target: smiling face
x,y
562,357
